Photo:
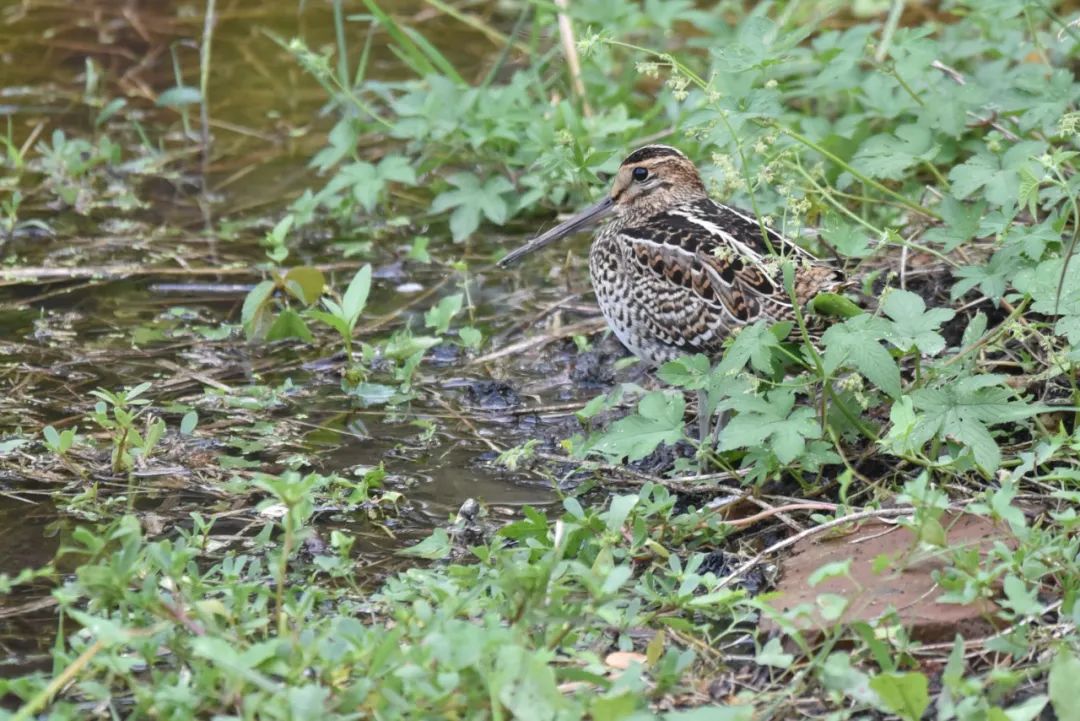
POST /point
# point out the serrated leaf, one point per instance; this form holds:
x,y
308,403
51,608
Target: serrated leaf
x,y
913,325
691,372
659,419
961,222
856,343
754,344
888,156
963,411
771,421
471,199
396,168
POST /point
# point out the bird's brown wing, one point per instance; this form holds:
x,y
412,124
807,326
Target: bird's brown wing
x,y
718,257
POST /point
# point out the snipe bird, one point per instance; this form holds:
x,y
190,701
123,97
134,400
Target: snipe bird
x,y
674,271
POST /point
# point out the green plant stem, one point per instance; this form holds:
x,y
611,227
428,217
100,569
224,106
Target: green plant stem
x,y
999,330
204,82
62,679
832,157
342,47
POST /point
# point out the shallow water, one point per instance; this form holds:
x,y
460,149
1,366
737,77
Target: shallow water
x,y
72,330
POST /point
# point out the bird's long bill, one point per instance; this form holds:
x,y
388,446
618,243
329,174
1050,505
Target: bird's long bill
x,y
579,221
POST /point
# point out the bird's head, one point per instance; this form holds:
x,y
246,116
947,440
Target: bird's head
x,y
649,180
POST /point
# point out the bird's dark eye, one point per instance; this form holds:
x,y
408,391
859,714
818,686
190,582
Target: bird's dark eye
x,y
640,174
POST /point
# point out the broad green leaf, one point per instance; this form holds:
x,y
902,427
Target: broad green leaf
x,y
771,421
1064,672
905,694
305,283
439,316
396,168
618,511
188,422
356,295
856,343
961,222
1019,598
434,547
255,308
913,325
289,324
373,394
524,682
332,320
888,156
963,410
659,419
470,200
754,343
179,96
1042,285
772,654
691,372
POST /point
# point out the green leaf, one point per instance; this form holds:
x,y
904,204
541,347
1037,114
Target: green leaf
x,y
188,422
659,420
179,96
470,200
253,315
691,372
1028,709
1019,598
524,681
905,694
439,316
772,654
961,222
754,343
888,156
856,343
396,168
963,410
356,295
304,283
373,394
1042,284
334,321
772,421
289,324
913,325
471,337
1064,672
619,510
52,438
433,548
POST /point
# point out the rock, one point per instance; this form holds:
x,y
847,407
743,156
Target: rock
x,y
906,584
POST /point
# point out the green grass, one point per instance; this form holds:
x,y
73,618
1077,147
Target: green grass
x,y
938,161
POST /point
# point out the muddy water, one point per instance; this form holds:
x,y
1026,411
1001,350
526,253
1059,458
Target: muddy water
x,y
61,337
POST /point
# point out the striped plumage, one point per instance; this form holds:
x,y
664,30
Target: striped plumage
x,y
674,271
